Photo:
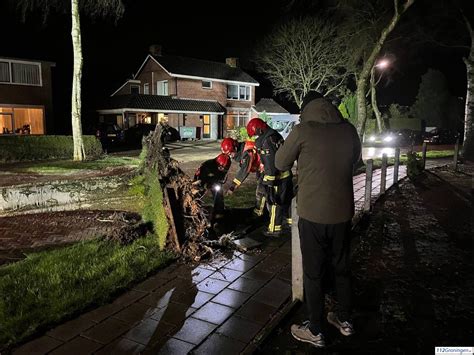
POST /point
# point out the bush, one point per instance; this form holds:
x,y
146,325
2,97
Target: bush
x,y
26,147
414,165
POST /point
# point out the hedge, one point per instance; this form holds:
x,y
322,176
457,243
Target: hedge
x,y
29,147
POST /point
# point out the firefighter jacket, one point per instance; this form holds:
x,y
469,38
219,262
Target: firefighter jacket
x,y
249,162
209,174
267,145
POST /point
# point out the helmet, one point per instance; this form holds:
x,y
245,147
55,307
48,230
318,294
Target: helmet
x,y
254,124
223,161
228,145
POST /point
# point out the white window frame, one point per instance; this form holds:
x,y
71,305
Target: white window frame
x,y
205,87
146,89
10,61
238,92
134,86
158,86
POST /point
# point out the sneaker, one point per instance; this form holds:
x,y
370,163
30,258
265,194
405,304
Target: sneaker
x,y
304,334
346,328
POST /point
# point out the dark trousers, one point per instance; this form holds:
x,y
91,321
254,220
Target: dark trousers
x,y
323,244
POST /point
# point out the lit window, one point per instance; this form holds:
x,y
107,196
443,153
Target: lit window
x,y
207,84
146,89
162,87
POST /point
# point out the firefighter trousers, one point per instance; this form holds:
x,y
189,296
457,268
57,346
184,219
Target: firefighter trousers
x,y
280,214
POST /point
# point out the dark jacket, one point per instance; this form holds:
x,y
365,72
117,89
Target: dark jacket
x,y
209,174
326,148
267,145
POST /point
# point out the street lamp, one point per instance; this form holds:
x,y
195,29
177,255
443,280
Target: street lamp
x,y
382,64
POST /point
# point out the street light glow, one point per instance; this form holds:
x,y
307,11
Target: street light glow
x,y
384,63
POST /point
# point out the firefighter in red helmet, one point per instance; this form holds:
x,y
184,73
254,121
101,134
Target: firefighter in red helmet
x,y
245,153
211,175
278,184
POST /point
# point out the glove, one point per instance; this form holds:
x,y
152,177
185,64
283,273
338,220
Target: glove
x,y
230,190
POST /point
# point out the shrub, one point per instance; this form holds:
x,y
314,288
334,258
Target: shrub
x,y
414,164
26,147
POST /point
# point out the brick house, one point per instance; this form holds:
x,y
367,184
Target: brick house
x,y
26,103
198,97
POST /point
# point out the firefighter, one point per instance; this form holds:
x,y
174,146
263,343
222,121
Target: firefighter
x,y
278,184
245,153
211,175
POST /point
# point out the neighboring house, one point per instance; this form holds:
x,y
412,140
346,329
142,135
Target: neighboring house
x,y
198,97
268,107
26,104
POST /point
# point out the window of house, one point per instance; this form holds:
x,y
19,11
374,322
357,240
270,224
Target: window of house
x,y
238,92
134,89
22,73
236,119
21,120
162,87
146,89
207,84
4,72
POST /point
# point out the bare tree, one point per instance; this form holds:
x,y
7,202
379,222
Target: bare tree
x,y
302,55
468,145
94,8
365,22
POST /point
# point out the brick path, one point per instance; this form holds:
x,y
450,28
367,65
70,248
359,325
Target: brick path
x,y
217,308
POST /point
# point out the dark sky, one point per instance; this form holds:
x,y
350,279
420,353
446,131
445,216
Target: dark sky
x,y
200,29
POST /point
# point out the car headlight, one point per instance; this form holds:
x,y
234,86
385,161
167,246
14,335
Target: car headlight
x,y
388,139
372,138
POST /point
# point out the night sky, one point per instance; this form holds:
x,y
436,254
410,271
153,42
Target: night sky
x,y
206,30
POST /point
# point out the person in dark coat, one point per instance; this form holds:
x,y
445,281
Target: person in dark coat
x,y
326,148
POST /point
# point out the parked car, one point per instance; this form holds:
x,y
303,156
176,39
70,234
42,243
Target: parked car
x,y
440,136
284,123
110,134
135,134
400,138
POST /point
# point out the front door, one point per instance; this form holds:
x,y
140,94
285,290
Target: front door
x,y
206,126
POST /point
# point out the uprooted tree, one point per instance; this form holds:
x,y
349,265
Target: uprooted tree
x,y
187,219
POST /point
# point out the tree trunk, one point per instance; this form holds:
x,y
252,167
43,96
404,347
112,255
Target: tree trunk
x,y
370,62
468,145
79,152
373,95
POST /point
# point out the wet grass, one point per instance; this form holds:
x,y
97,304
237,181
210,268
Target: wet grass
x,y
69,166
49,287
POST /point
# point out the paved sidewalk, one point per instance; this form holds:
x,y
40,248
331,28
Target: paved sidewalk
x,y
218,308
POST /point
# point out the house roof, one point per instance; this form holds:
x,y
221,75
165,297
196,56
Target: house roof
x,y
176,65
270,106
157,103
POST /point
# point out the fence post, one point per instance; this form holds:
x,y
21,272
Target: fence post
x,y
396,166
423,154
456,153
368,184
296,258
383,174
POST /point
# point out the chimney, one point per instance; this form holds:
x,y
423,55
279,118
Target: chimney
x,y
232,62
155,50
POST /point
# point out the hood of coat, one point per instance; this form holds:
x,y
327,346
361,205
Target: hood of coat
x,y
322,111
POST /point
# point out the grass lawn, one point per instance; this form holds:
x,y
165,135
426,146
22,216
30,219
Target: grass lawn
x,y
69,166
49,287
